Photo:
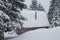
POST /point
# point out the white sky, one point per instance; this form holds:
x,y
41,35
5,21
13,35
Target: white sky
x,y
44,3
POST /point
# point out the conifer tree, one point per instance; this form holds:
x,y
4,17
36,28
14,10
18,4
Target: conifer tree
x,y
40,7
34,5
11,8
54,13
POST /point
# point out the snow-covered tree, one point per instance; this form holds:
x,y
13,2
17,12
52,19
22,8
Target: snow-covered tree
x,y
1,26
51,9
11,10
40,7
33,6
54,13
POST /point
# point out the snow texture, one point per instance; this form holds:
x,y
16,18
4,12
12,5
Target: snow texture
x,y
41,34
41,20
10,34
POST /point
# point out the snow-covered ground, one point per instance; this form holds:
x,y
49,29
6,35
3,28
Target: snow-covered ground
x,y
41,20
10,34
40,34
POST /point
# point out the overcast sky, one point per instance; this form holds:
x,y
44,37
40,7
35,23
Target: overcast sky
x,y
44,3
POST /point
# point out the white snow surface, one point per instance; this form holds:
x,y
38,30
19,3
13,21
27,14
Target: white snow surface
x,y
40,34
10,34
41,20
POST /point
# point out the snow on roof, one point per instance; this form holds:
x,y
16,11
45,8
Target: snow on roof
x,y
40,34
41,20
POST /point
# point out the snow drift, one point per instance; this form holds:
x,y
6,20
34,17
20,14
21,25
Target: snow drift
x,y
41,34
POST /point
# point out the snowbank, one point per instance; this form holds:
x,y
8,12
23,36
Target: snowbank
x,y
10,34
41,34
41,20
45,4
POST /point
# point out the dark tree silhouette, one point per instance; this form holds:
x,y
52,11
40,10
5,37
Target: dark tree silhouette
x,y
54,13
10,8
33,6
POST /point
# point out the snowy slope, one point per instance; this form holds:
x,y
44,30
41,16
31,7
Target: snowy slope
x,y
41,20
41,34
10,34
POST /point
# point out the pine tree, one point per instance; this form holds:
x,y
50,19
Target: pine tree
x,y
33,6
10,8
54,13
40,7
1,26
50,13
